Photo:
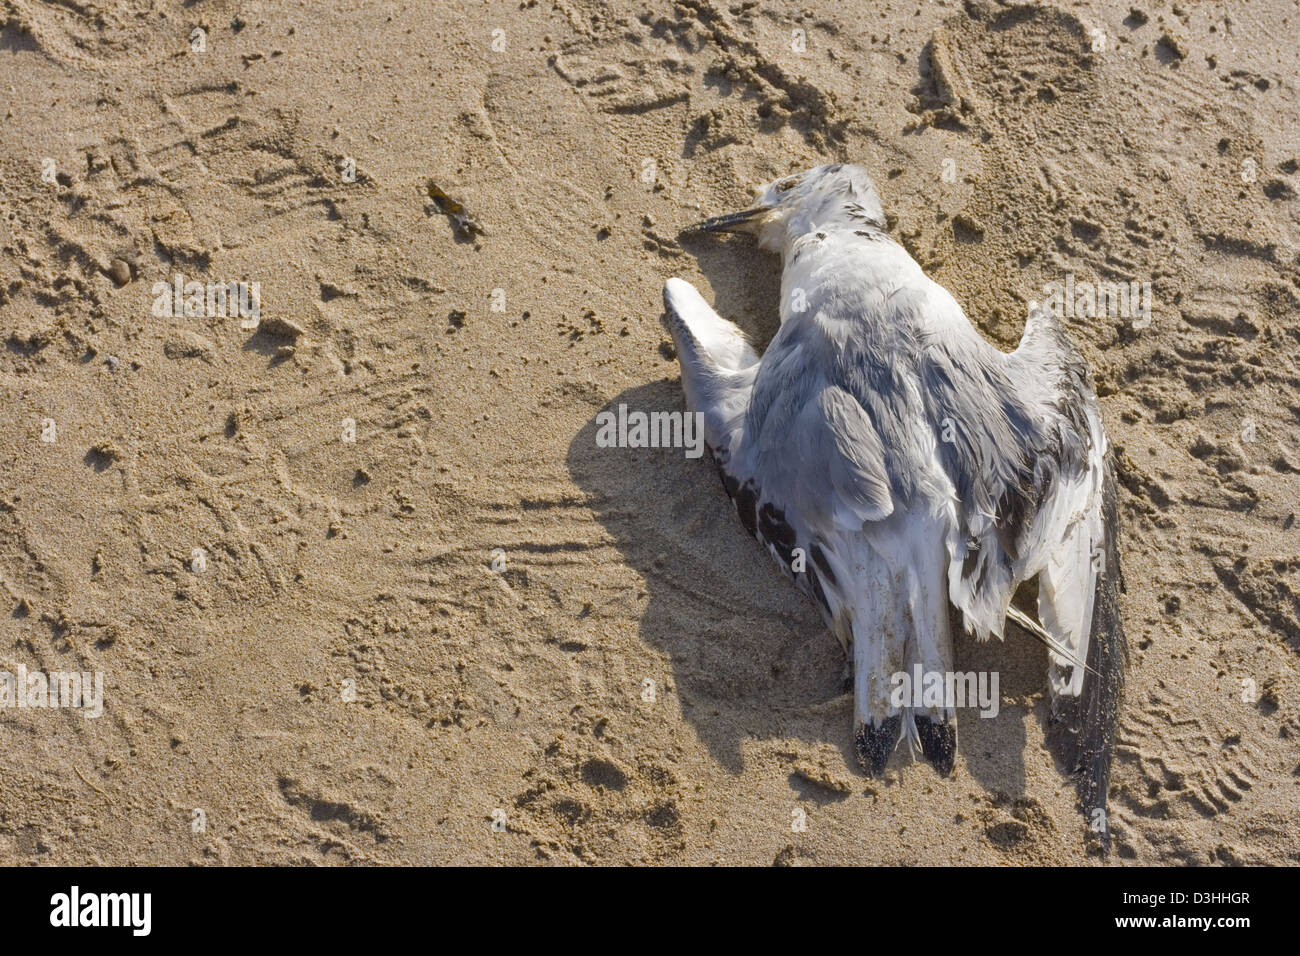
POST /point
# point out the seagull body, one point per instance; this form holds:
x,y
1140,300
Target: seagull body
x,y
896,464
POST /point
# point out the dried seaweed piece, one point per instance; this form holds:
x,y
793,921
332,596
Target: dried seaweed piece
x,y
466,225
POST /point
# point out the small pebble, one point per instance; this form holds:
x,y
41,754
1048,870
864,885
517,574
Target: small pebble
x,y
119,270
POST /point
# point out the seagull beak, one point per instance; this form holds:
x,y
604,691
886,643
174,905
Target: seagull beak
x,y
731,222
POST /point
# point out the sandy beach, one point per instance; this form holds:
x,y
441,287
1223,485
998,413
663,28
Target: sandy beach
x,y
309,312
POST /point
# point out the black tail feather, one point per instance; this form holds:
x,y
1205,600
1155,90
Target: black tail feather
x,y
1083,731
938,742
875,744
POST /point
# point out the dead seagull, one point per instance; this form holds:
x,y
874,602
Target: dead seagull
x,y
896,464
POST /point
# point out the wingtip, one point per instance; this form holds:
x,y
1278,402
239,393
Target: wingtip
x,y
675,290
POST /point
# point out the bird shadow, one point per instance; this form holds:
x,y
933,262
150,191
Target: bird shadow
x,y
746,282
992,748
748,654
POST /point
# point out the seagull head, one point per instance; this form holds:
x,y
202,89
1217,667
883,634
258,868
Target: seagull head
x,y
793,206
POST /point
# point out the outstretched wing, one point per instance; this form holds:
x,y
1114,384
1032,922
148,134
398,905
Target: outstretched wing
x,y
1022,441
1060,522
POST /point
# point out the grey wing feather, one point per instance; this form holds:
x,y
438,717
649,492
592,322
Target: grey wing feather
x,y
821,460
1035,480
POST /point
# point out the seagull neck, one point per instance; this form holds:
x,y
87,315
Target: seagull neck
x,y
839,232
796,239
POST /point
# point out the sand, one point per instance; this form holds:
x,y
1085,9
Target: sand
x,y
361,586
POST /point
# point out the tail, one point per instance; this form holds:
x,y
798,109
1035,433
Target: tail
x,y
890,599
1083,727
